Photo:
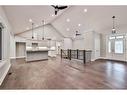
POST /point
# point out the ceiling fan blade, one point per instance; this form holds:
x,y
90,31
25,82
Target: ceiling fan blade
x,y
53,6
62,7
78,34
56,7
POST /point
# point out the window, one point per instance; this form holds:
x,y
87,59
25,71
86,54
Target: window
x,y
119,37
112,37
118,46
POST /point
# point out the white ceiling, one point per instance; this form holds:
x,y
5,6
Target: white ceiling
x,y
97,18
19,16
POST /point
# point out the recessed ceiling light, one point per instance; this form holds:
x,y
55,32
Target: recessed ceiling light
x,y
36,25
68,20
30,20
27,28
52,15
68,29
85,10
79,24
44,22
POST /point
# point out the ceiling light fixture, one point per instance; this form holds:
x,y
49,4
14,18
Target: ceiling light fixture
x,y
52,15
43,22
30,20
32,31
36,25
68,29
85,10
79,24
113,27
27,28
68,20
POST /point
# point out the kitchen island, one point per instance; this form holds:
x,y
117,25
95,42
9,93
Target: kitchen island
x,y
36,55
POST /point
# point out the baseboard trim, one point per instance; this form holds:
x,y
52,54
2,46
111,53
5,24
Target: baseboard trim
x,y
12,57
17,57
21,57
112,60
36,60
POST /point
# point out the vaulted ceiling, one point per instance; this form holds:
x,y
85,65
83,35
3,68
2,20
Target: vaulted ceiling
x,y
19,16
80,18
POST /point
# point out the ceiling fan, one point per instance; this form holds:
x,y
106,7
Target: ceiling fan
x,y
57,8
77,33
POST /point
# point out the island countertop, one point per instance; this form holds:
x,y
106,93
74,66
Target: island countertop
x,y
35,55
36,50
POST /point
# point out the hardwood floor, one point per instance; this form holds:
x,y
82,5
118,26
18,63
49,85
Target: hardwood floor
x,y
64,74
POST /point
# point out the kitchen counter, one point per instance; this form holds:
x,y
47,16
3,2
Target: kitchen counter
x,y
35,55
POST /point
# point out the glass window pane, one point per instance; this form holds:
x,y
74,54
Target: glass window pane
x,y
119,46
111,37
119,37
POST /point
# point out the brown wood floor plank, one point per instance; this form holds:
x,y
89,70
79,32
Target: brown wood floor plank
x,y
65,74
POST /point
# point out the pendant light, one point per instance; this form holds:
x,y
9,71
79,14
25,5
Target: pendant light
x,y
32,31
113,28
43,30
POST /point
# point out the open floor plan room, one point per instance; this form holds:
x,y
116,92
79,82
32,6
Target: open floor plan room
x,y
63,47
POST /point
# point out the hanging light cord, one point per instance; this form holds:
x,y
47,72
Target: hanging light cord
x,y
113,22
43,30
32,31
113,28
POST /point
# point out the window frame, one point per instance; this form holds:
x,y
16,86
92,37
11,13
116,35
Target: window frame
x,y
115,46
112,41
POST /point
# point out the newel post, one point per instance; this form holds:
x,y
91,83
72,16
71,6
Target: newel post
x,y
84,56
77,53
61,53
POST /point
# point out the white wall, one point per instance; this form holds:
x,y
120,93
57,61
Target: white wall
x,y
67,44
96,49
5,63
79,44
12,47
90,41
20,39
84,43
49,32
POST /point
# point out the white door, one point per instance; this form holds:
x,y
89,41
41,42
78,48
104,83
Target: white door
x,y
116,47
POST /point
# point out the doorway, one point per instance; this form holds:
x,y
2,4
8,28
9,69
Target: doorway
x,y
117,47
20,49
